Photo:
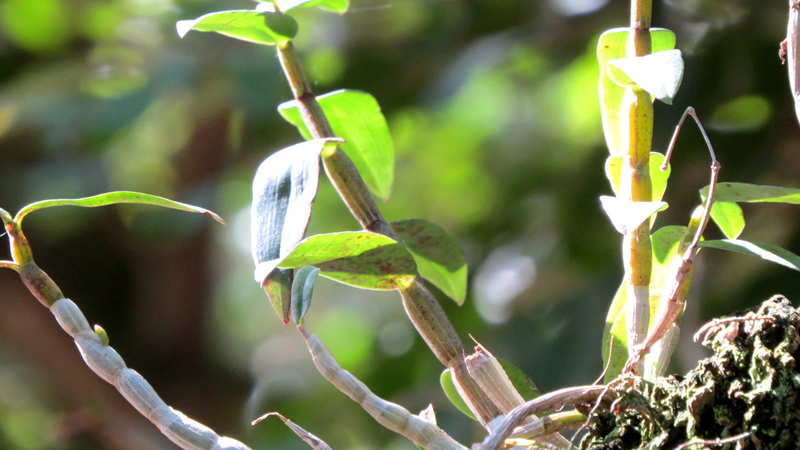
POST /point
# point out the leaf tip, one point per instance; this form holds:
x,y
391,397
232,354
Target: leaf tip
x,y
216,217
184,26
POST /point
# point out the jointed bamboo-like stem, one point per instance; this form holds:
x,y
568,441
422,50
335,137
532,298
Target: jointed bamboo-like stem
x,y
188,434
390,415
635,185
422,307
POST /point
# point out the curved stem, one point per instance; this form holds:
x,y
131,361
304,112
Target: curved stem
x,y
9,265
423,309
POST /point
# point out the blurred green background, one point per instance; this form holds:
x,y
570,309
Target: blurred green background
x,y
493,109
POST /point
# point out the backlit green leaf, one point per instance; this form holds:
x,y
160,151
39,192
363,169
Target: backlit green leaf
x,y
449,387
659,74
768,252
356,117
612,45
302,290
658,177
664,242
753,193
729,218
260,27
114,198
438,255
337,6
361,259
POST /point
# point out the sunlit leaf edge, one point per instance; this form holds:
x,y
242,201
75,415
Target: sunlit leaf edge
x,y
303,254
283,29
768,252
116,198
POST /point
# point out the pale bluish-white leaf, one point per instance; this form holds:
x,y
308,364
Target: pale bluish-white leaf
x,y
659,74
625,215
284,188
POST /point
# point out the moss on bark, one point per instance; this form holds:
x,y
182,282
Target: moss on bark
x,y
747,389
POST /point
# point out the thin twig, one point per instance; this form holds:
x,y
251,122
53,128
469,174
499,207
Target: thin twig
x,y
714,442
9,265
547,402
708,328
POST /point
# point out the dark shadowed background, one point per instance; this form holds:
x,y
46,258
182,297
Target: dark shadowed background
x,y
494,114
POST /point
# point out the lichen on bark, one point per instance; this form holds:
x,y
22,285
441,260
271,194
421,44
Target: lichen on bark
x,y
749,388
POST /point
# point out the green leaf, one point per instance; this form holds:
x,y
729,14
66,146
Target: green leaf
x,y
615,336
521,382
278,287
356,117
665,243
314,442
361,259
260,27
438,255
753,193
659,74
302,289
449,387
743,114
768,252
658,177
612,45
114,198
284,188
337,6
729,218
626,216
